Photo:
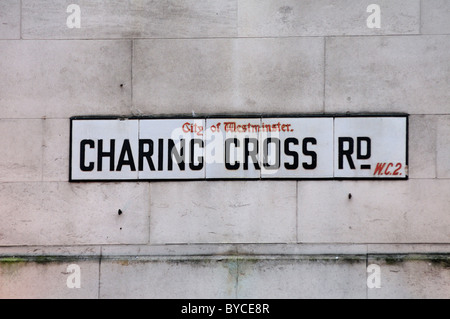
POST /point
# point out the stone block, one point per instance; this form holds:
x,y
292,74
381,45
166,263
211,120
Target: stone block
x,y
21,146
413,211
409,277
48,278
435,17
302,278
422,146
443,147
271,18
47,19
60,79
388,74
52,213
228,76
10,19
168,278
223,212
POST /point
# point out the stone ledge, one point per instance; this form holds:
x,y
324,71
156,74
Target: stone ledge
x,y
227,250
435,258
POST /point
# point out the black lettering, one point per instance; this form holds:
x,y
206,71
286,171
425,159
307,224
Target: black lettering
x,y
126,152
266,143
160,154
288,152
147,155
192,166
253,154
346,152
83,145
179,156
366,156
101,154
228,164
307,152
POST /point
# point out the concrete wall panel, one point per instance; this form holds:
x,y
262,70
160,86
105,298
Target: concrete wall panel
x,y
168,279
388,74
21,150
411,278
10,19
228,75
272,18
73,214
59,79
435,17
378,212
299,279
443,147
46,278
56,150
47,19
422,146
223,212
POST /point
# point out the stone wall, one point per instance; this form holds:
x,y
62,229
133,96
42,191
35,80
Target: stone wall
x,y
221,239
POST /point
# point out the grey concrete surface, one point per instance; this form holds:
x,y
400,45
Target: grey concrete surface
x,y
10,19
228,75
273,239
271,18
388,74
73,214
223,212
378,212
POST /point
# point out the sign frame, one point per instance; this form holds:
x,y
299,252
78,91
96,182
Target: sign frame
x,y
242,116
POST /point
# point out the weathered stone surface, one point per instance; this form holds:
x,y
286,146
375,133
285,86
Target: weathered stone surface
x,y
410,277
9,19
204,278
435,17
60,79
273,18
228,75
56,146
47,19
73,214
21,149
443,147
223,212
388,74
422,146
47,278
308,278
413,211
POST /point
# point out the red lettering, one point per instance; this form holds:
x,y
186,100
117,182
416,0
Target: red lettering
x,y
399,167
379,169
230,126
274,128
193,128
386,171
186,127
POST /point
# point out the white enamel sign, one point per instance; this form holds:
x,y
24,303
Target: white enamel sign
x,y
325,147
